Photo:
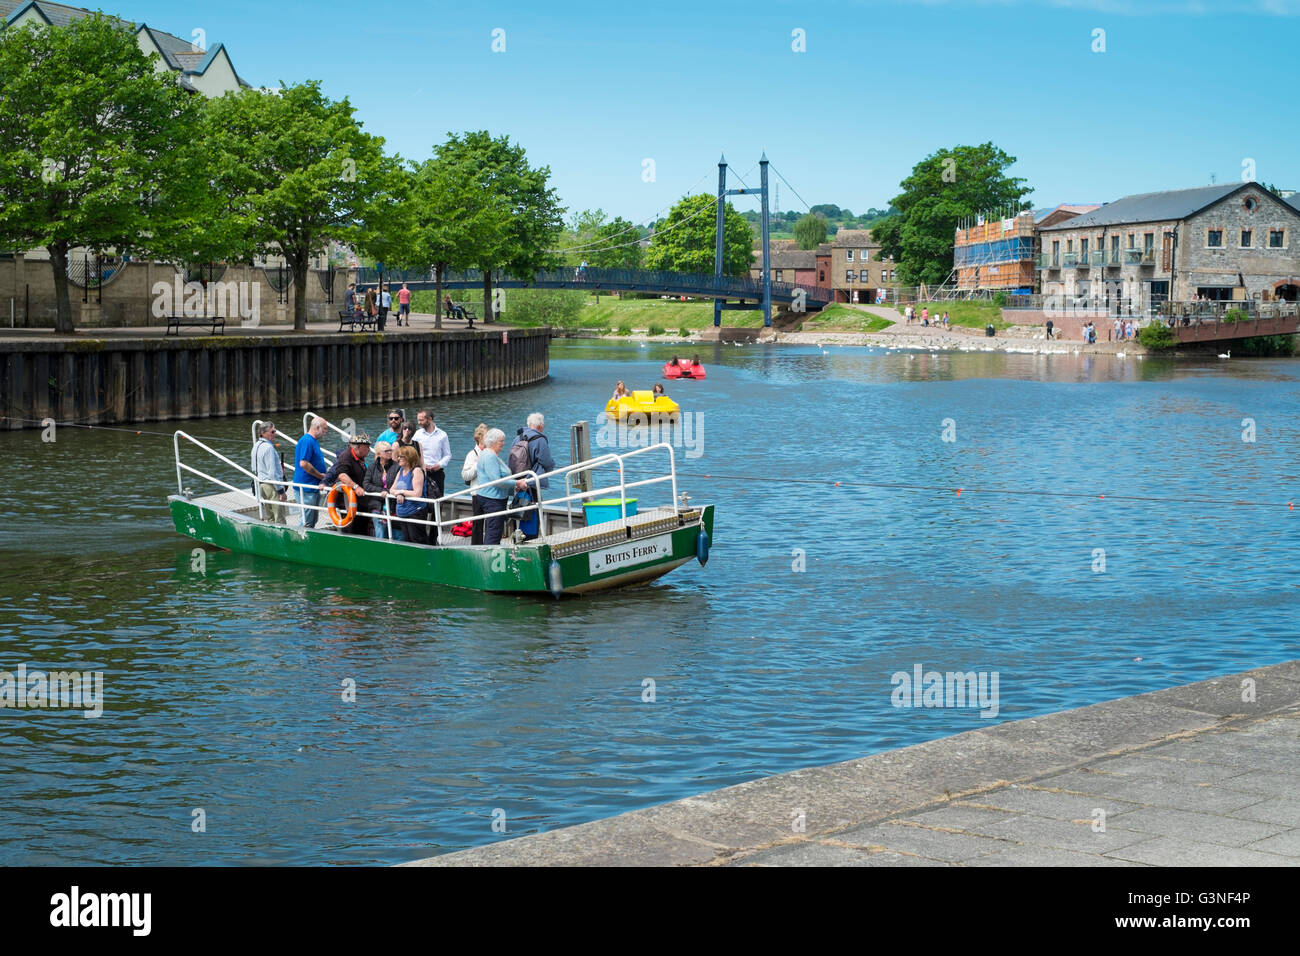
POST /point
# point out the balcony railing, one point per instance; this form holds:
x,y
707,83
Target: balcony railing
x,y
1070,260
1132,257
1047,261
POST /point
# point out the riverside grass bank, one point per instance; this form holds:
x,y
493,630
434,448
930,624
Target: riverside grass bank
x,y
120,379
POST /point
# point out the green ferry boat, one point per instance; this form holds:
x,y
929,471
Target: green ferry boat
x,y
569,556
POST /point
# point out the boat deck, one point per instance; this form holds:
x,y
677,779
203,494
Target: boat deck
x,y
569,530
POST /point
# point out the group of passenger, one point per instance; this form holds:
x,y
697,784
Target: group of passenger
x,y
410,462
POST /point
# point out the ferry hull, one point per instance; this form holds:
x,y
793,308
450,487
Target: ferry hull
x,y
506,569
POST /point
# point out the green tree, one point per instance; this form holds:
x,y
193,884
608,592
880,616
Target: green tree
x,y
527,242
684,242
619,246
944,187
887,232
462,221
303,172
93,145
810,231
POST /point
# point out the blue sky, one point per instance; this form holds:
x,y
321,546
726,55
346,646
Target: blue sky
x,y
1183,91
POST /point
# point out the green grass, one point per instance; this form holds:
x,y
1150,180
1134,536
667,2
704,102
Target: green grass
x,y
840,318
666,313
972,315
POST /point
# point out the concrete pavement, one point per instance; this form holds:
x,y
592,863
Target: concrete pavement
x,y
1204,774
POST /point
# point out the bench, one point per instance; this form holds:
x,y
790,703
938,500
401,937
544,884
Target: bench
x,y
353,321
464,310
217,323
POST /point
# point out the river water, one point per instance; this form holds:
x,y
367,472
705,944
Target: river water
x,y
225,738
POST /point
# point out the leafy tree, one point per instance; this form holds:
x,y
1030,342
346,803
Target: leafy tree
x,y
684,242
810,231
620,246
303,172
526,242
829,210
944,187
93,145
887,233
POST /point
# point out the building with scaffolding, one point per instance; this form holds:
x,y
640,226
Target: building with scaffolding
x,y
997,253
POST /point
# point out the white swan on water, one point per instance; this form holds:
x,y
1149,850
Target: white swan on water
x,y
1227,354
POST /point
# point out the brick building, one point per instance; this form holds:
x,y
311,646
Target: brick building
x,y
851,265
1232,241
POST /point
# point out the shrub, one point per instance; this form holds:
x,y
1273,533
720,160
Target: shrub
x,y
1000,299
624,329
1157,335
683,333
1235,315
656,330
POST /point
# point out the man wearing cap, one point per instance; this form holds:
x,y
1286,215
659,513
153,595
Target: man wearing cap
x,y
349,468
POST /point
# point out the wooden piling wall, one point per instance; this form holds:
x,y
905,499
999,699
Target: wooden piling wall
x,y
115,380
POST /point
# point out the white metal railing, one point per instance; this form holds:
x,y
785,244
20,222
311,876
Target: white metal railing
x,y
530,477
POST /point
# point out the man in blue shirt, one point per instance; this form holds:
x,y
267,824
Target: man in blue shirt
x,y
395,419
309,469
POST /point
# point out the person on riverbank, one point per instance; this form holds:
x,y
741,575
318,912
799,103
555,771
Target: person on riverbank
x,y
945,320
350,298
1049,329
349,469
378,482
469,472
270,474
907,315
385,304
369,301
404,305
925,317
494,491
409,481
309,470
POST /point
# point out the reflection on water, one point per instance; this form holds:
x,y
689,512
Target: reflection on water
x,y
225,689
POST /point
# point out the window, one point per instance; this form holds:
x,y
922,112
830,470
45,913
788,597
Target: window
x,y
1250,204
1214,238
821,275
848,255
1083,251
850,276
1069,245
1245,238
1056,252
780,275
1131,241
1277,239
1114,248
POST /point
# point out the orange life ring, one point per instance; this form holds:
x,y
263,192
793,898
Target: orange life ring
x,y
351,496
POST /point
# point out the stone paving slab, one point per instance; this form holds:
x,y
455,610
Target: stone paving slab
x,y
1188,776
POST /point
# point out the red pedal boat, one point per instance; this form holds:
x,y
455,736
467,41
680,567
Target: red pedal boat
x,y
684,368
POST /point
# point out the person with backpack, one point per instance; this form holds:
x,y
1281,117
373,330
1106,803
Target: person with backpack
x,y
531,452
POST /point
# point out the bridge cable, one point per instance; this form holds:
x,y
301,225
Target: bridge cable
x,y
791,188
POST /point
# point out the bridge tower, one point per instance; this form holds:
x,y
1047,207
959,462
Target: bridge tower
x,y
723,193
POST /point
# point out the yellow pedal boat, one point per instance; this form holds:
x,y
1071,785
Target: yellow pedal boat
x,y
653,407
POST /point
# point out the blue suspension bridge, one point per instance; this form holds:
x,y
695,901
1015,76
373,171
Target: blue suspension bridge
x,y
727,292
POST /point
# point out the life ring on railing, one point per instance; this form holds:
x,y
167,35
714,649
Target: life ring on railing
x,y
351,496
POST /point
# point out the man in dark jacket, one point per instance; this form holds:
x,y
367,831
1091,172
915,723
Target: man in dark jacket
x,y
349,468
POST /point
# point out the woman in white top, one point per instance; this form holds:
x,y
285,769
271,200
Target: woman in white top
x,y
469,471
